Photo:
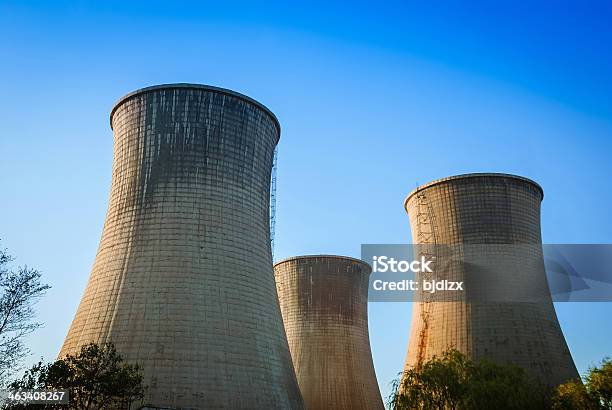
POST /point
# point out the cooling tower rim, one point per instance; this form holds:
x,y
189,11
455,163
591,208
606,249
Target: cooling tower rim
x,y
197,87
474,175
348,258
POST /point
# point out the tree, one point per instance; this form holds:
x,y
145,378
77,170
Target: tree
x,y
599,383
503,386
452,381
594,393
96,378
20,289
440,383
573,395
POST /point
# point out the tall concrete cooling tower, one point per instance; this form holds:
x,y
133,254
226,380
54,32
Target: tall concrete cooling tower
x,y
496,218
183,281
324,302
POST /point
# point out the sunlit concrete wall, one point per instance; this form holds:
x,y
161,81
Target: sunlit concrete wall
x,y
182,282
323,300
495,210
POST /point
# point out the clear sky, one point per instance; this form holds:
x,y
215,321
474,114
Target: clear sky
x,y
373,98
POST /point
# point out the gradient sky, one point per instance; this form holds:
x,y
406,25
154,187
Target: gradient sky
x,y
373,99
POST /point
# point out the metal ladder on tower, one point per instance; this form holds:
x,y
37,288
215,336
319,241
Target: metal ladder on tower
x,y
273,200
426,245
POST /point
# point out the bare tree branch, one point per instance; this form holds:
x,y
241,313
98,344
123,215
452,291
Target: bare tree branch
x,y
20,289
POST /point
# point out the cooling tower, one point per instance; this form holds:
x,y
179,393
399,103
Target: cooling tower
x,y
324,302
496,217
183,283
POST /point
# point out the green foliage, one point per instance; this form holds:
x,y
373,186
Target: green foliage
x,y
96,377
595,393
452,381
440,383
573,395
599,383
492,385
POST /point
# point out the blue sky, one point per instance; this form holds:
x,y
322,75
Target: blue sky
x,y
373,98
